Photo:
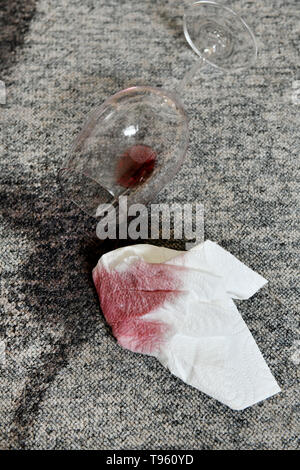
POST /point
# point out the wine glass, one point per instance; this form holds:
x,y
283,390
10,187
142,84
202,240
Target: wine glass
x,y
135,142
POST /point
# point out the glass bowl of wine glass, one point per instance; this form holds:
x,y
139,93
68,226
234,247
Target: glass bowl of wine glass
x,y
135,142
133,145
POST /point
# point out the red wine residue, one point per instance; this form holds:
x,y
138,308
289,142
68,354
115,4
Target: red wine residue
x,y
135,165
128,295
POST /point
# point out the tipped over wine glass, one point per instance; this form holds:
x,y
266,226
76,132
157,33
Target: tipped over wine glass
x,y
135,142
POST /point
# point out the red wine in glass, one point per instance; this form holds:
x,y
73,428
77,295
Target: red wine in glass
x,y
135,165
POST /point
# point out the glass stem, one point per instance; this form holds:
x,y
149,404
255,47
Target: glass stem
x,y
189,76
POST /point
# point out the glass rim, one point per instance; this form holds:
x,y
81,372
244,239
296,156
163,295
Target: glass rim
x,y
94,115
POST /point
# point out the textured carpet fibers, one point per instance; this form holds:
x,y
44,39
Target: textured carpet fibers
x,y
64,382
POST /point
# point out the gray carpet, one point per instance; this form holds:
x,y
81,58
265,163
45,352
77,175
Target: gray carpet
x,y
64,382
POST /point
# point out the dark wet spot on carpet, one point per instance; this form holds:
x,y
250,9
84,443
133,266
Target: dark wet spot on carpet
x,y
15,18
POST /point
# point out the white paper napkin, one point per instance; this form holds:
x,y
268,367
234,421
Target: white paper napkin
x,y
178,307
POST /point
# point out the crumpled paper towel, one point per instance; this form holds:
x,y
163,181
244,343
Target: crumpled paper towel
x,y
178,307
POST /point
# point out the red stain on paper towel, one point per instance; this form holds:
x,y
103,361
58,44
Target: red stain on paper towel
x,y
127,295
